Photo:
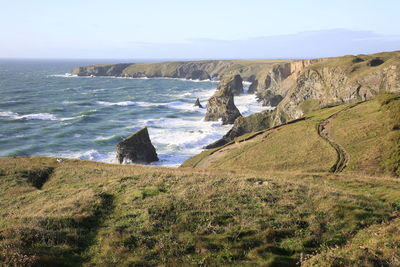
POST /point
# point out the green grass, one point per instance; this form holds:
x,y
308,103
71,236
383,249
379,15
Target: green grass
x,y
291,147
89,213
358,66
368,133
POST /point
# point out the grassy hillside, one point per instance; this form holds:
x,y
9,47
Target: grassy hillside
x,y
360,65
88,213
367,131
276,197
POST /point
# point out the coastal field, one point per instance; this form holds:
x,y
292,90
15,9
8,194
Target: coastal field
x,y
81,212
366,131
270,199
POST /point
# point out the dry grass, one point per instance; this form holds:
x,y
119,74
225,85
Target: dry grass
x,y
89,213
378,245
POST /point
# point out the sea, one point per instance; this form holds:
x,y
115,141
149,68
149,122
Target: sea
x,y
44,110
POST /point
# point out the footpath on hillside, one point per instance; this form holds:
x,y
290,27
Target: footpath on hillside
x,y
323,131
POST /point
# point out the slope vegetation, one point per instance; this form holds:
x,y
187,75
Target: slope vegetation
x,y
94,214
363,137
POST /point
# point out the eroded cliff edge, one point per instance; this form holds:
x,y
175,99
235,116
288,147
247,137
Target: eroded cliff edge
x,y
295,87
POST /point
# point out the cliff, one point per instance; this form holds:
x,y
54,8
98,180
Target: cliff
x,y
202,70
307,85
221,105
293,87
340,80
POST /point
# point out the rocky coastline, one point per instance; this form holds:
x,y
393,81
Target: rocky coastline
x,y
293,87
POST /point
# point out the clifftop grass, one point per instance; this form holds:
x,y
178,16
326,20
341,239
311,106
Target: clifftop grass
x,y
89,213
369,132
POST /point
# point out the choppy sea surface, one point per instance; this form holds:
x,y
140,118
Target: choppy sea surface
x,y
45,111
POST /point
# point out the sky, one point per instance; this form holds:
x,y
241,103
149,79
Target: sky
x,y
189,29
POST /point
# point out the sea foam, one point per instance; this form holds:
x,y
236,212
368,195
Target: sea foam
x,y
33,116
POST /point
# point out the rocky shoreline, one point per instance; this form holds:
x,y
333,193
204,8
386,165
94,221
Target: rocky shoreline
x,y
293,87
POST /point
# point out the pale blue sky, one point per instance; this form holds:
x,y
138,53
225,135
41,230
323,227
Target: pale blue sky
x,y
196,29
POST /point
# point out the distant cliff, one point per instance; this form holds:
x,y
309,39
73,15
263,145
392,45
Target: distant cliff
x,y
201,70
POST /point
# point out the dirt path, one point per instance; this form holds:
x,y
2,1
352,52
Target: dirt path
x,y
323,131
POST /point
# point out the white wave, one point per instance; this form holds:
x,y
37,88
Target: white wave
x,y
105,138
122,103
9,114
36,116
71,118
66,102
175,105
66,75
183,79
248,104
246,86
182,137
92,154
33,116
39,116
185,106
203,95
98,90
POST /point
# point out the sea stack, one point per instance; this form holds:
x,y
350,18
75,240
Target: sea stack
x,y
221,104
236,85
198,104
137,148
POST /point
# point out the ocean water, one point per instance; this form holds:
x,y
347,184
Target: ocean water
x,y
45,111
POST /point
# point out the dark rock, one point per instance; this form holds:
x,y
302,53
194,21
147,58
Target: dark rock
x,y
243,125
221,104
137,148
375,62
268,98
357,60
198,75
252,78
198,104
253,87
236,85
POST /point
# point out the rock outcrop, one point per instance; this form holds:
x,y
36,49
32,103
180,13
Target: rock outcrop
x,y
197,103
137,148
236,85
221,105
320,83
100,70
294,87
340,80
197,70
243,125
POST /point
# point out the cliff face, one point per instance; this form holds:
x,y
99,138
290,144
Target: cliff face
x,y
221,104
294,87
313,84
272,86
339,80
201,70
100,70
